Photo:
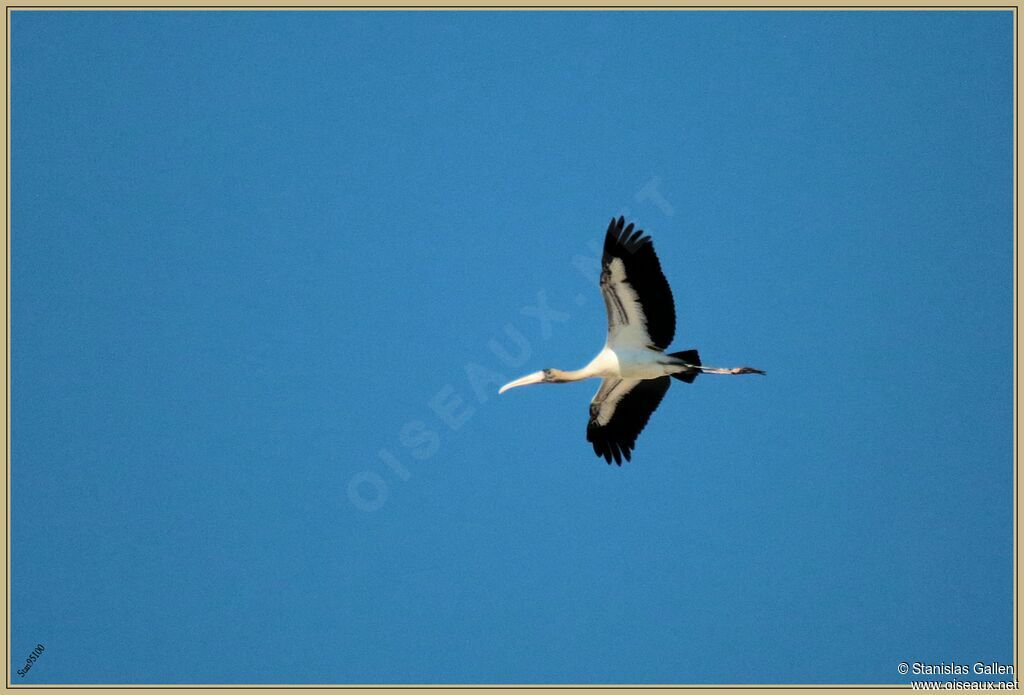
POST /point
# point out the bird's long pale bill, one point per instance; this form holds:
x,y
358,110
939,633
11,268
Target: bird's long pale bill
x,y
535,378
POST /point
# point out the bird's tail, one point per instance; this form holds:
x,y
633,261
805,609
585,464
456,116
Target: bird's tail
x,y
689,357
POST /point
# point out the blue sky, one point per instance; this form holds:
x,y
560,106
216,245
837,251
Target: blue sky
x,y
269,269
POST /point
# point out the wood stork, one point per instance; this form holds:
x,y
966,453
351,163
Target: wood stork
x,y
634,366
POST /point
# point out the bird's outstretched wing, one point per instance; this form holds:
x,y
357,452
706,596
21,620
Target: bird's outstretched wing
x,y
619,412
636,294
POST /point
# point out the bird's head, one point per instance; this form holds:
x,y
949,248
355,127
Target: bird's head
x,y
545,376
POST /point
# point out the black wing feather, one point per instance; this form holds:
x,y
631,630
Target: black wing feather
x,y
643,272
617,438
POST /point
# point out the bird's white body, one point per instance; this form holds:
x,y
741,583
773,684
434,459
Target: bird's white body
x,y
629,363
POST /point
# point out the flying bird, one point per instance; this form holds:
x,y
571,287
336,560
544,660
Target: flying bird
x,y
634,368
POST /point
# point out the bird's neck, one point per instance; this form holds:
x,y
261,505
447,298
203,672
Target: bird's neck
x,y
560,376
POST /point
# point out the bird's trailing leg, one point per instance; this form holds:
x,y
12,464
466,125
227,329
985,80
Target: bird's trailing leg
x,y
734,370
722,370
